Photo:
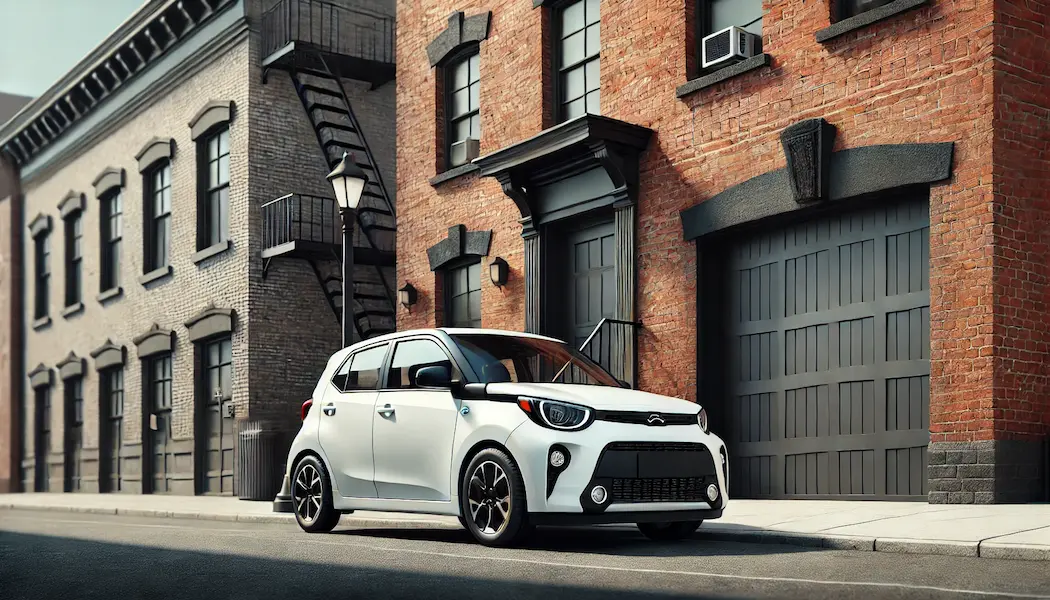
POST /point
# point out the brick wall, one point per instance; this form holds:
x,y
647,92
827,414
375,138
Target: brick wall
x,y
170,302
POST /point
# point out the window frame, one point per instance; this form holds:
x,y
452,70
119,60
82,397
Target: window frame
x,y
150,255
111,211
448,273
558,49
448,74
392,353
205,190
348,362
42,275
703,25
839,14
110,393
74,258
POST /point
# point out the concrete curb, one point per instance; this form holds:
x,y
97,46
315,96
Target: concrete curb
x,y
990,549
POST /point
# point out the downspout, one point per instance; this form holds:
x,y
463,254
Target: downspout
x,y
15,320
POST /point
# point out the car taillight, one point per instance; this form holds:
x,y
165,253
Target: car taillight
x,y
305,409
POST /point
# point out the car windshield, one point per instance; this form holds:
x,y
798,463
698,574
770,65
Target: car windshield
x,y
505,358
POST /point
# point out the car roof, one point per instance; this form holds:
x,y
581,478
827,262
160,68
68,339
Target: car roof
x,y
447,331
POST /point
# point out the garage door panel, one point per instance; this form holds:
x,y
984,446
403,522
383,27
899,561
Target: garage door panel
x,y
829,356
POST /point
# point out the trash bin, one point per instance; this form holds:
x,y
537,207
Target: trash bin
x,y
259,463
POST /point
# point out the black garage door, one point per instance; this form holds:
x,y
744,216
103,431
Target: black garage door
x,y
829,357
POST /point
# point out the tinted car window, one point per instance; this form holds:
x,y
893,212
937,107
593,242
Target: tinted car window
x,y
361,372
504,358
410,357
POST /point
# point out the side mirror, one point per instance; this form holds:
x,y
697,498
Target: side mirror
x,y
435,376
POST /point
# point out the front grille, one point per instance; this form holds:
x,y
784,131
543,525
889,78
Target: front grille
x,y
671,489
642,418
656,447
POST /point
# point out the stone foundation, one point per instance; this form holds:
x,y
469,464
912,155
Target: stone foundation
x,y
987,472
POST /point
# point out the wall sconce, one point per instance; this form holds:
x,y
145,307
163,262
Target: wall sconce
x,y
407,295
498,272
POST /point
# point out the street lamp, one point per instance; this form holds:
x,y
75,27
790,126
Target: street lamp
x,y
348,181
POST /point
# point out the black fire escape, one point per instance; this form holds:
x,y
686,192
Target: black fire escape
x,y
318,44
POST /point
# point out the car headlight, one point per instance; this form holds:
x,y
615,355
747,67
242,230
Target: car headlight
x,y
701,420
556,414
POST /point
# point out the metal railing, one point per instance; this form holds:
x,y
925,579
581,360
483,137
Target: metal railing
x,y
612,344
329,28
299,218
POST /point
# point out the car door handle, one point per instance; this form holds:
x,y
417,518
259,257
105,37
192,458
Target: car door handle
x,y
329,410
385,410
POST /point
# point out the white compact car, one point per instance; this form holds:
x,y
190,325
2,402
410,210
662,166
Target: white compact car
x,y
504,430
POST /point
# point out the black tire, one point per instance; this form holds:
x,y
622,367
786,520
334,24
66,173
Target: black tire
x,y
311,518
669,532
495,530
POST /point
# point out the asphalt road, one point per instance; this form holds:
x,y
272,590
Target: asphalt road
x,y
73,556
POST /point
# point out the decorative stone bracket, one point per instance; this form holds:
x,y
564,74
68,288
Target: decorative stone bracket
x,y
40,377
459,33
210,322
155,341
71,366
458,244
73,203
807,148
107,180
109,355
154,150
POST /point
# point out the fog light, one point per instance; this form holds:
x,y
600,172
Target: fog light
x,y
557,459
712,492
598,494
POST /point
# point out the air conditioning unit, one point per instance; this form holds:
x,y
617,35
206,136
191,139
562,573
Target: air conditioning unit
x,y
464,151
730,45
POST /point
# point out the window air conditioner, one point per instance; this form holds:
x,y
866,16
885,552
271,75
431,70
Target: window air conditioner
x,y
730,45
464,151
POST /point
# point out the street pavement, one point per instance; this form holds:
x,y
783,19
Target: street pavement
x,y
46,555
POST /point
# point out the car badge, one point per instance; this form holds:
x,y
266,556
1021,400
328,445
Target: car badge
x,y
655,419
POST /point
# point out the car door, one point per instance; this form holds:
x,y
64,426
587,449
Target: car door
x,y
413,429
345,430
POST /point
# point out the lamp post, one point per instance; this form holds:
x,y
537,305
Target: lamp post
x,y
348,181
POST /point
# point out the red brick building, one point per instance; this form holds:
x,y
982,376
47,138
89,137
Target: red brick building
x,y
839,245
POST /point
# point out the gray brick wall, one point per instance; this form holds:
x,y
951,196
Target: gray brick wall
x,y
987,472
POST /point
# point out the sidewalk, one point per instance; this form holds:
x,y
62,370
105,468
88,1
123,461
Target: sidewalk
x,y
997,531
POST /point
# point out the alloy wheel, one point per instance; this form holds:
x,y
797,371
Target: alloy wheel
x,y
307,493
489,498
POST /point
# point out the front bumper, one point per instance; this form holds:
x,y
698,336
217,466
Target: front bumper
x,y
648,473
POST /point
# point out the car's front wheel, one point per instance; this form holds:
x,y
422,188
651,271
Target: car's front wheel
x,y
665,532
312,497
492,499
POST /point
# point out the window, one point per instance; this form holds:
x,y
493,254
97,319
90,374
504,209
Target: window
x,y
506,358
113,394
716,15
159,391
579,35
112,382
74,257
852,8
75,400
218,370
464,89
42,250
213,225
158,217
361,372
112,221
464,296
413,355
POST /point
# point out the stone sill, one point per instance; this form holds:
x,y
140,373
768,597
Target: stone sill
x,y
213,250
110,294
41,323
154,275
695,85
73,309
867,18
453,173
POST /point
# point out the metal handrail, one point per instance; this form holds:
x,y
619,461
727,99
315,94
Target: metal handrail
x,y
330,28
622,348
300,217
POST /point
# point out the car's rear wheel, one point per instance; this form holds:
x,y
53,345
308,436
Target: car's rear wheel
x,y
665,532
312,497
492,499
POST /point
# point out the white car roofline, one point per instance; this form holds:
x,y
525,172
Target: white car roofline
x,y
440,332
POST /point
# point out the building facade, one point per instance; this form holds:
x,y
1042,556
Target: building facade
x,y
174,255
837,242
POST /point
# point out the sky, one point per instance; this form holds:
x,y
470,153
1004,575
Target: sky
x,y
43,39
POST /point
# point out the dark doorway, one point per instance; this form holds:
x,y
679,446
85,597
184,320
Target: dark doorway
x,y
158,424
826,352
111,411
216,400
74,430
42,450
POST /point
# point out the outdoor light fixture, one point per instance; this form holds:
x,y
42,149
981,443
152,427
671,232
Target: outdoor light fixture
x,y
407,295
348,180
498,272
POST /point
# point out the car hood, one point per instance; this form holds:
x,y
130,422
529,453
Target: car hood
x,y
597,397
